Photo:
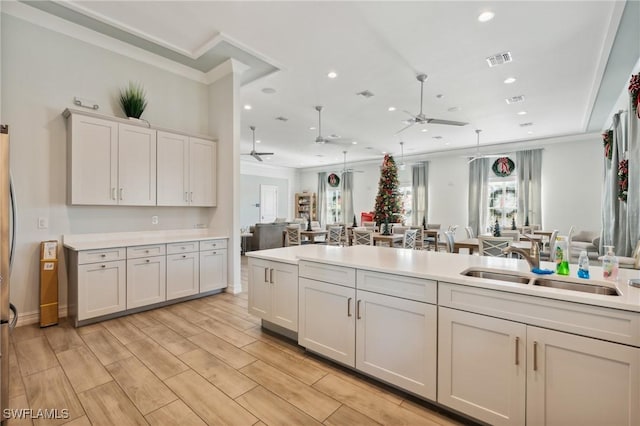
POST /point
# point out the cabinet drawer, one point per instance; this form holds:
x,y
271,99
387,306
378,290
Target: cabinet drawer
x,y
587,320
420,290
186,247
213,244
101,255
340,275
145,251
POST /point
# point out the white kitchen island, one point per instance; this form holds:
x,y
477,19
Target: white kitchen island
x,y
506,353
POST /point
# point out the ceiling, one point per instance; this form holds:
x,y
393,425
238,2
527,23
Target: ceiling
x,y
560,54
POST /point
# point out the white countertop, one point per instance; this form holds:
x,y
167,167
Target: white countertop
x,y
80,242
448,267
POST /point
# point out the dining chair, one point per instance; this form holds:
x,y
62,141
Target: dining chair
x,y
433,226
431,241
370,225
632,262
514,234
293,235
398,228
335,235
409,239
493,246
470,233
362,238
315,225
449,240
549,252
419,237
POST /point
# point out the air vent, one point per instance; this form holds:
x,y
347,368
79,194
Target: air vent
x,y
437,137
514,99
499,59
281,118
365,93
526,124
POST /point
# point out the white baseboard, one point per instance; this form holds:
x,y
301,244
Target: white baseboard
x,y
26,318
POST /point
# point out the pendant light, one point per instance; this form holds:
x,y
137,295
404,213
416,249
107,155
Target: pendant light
x,y
402,166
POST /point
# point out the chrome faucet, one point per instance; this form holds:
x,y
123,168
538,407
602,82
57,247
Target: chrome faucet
x,y
532,257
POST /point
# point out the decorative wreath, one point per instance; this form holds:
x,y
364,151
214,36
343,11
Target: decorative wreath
x,y
634,93
503,166
607,139
333,180
623,180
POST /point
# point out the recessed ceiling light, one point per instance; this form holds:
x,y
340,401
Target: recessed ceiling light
x,y
454,109
530,132
312,128
391,108
247,107
439,96
269,90
446,143
437,137
332,74
354,143
424,130
258,141
509,80
384,153
522,112
486,16
267,158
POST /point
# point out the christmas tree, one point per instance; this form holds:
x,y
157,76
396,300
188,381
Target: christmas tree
x,y
496,229
388,199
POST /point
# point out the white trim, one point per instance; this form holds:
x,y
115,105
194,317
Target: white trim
x,y
34,317
227,67
61,26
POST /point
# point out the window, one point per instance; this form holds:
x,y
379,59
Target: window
x,y
503,201
406,200
333,206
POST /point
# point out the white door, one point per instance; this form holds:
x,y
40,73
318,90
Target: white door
x,y
213,270
202,172
101,289
259,289
173,169
284,295
136,166
183,275
268,203
146,281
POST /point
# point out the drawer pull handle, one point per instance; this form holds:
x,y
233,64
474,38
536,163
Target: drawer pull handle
x,y
103,266
349,307
265,275
358,309
113,193
103,255
184,256
517,349
535,356
271,275
186,197
146,251
148,260
121,193
191,197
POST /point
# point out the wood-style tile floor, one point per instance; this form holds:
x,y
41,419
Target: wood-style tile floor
x,y
200,362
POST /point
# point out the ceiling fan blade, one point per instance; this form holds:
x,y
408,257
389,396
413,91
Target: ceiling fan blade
x,y
448,122
256,156
415,117
404,128
264,153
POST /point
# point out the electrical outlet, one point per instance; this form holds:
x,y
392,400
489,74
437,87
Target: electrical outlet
x,y
154,220
43,223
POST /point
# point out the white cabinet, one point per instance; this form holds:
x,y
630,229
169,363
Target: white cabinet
x,y
146,276
359,327
273,292
482,366
183,270
110,163
97,283
492,369
213,265
575,380
186,170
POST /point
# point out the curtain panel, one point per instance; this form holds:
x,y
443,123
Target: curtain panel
x,y
529,170
322,197
420,191
478,203
347,198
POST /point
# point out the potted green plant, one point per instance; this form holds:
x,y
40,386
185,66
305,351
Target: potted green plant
x,y
133,100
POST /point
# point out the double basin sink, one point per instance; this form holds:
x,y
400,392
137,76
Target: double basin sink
x,y
564,284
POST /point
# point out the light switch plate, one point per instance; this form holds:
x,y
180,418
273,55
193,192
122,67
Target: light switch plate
x,y
43,223
154,220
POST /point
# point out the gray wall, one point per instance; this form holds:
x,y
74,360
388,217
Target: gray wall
x,y
250,196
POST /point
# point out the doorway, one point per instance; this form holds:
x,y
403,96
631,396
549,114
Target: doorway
x,y
268,203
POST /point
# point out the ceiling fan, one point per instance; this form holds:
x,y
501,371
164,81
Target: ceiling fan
x,y
320,140
253,152
421,118
402,164
478,155
344,165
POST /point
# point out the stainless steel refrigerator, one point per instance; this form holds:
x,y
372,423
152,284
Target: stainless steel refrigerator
x,y
7,246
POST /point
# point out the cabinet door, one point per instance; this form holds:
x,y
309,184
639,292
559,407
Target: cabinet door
x,y
384,322
101,289
326,324
146,281
481,366
183,275
259,289
213,270
136,166
202,172
93,158
574,380
173,169
284,295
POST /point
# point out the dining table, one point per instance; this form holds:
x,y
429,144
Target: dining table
x,y
390,239
471,244
313,234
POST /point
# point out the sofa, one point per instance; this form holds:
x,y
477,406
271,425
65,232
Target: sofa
x,y
585,240
266,235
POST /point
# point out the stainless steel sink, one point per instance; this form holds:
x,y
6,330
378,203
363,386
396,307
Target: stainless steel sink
x,y
497,275
584,287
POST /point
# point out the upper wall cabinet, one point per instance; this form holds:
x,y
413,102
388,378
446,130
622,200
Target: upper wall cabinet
x,y
186,171
113,162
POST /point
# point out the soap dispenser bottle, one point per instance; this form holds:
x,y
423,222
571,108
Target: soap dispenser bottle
x,y
583,265
562,262
610,265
